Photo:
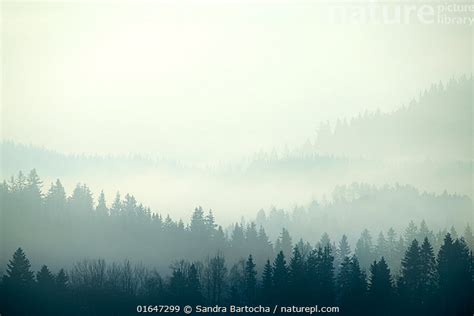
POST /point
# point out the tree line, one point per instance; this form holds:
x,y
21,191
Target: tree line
x,y
426,284
127,229
357,206
436,124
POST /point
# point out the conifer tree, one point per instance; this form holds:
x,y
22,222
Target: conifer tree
x,y
61,280
19,270
210,224
380,288
425,232
198,225
16,295
116,208
193,286
33,190
45,278
250,281
455,278
297,280
267,283
324,241
351,285
284,243
280,278
411,232
364,249
428,277
55,200
344,248
101,208
264,244
410,282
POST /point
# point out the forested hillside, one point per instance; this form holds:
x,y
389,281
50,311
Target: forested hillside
x,y
428,283
436,125
349,207
58,229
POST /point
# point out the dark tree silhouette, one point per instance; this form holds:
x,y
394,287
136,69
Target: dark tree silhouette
x,y
380,288
455,277
18,270
410,282
18,286
95,287
318,273
352,286
428,277
250,282
280,278
266,290
297,280
342,251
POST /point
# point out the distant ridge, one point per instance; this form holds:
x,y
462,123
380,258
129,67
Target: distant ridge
x,y
437,126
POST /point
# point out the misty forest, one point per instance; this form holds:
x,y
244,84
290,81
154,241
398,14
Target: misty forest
x,y
234,157
93,254
414,272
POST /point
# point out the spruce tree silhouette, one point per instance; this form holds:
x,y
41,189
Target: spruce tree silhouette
x,y
297,280
284,243
352,287
101,209
18,285
266,290
45,278
380,288
18,269
250,282
55,200
409,283
116,208
61,280
280,278
46,299
325,271
62,294
193,287
343,250
428,278
312,274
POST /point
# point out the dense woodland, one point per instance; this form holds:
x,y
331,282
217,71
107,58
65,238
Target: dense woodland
x,y
385,204
68,228
426,285
415,272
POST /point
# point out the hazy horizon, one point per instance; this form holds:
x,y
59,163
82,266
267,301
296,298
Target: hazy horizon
x,y
205,83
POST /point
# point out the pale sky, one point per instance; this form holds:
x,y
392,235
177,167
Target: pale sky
x,y
205,81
